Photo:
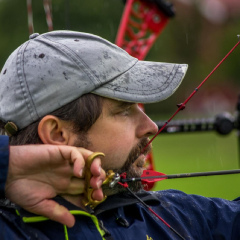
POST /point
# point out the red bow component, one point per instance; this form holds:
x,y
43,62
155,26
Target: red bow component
x,y
141,24
155,176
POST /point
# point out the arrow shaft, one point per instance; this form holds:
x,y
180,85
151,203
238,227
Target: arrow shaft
x,y
184,175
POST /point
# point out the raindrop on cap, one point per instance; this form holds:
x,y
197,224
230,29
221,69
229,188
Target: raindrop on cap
x,y
34,35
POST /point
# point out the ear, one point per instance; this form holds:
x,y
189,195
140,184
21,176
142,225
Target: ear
x,y
52,130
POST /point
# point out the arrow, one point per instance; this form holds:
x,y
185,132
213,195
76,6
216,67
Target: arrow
x,y
150,176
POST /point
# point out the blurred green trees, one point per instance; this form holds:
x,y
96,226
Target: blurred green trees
x,y
188,38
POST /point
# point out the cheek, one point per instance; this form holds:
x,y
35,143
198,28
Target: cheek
x,y
116,148
116,152
111,136
115,139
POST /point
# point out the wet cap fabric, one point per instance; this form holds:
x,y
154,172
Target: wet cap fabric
x,y
55,68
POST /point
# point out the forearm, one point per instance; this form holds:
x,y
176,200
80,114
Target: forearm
x,y
4,160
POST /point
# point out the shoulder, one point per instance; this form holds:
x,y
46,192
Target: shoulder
x,y
178,199
171,194
219,218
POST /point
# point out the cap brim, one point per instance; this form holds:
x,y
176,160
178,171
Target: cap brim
x,y
145,82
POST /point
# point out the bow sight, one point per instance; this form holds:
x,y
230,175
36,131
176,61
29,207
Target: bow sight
x,y
223,123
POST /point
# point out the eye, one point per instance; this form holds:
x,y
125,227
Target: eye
x,y
126,111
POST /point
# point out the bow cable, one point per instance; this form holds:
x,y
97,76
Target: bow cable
x,y
155,214
181,106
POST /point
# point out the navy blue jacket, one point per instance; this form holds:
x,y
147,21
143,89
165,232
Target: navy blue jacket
x,y
121,217
4,156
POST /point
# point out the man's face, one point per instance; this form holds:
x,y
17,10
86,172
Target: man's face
x,y
121,132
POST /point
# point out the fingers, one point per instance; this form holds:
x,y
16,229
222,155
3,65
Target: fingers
x,y
78,157
98,174
96,167
76,186
98,195
53,211
96,181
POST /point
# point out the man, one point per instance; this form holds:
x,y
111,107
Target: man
x,y
70,88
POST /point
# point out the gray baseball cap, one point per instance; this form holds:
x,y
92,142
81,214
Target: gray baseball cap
x,y
55,68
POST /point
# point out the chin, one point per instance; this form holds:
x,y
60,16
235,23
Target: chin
x,y
137,169
139,172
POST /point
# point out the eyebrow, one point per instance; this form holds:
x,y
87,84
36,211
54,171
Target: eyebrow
x,y
121,104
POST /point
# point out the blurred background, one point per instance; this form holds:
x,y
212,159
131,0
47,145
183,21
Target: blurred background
x,y
201,34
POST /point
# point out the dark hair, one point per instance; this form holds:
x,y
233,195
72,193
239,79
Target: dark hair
x,y
81,114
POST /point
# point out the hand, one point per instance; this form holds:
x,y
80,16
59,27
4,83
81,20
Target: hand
x,y
38,173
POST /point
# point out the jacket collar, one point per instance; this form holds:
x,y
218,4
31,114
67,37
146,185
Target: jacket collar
x,y
112,202
126,199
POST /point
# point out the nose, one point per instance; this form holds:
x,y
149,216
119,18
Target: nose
x,y
146,127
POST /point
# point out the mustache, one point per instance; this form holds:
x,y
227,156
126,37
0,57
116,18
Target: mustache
x,y
139,149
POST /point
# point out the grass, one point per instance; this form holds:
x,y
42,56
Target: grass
x,y
198,152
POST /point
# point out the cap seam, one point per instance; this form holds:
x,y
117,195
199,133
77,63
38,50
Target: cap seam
x,y
22,79
136,61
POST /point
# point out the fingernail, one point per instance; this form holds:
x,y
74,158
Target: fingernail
x,y
99,183
81,172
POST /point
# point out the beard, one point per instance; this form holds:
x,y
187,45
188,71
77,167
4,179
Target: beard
x,y
133,167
